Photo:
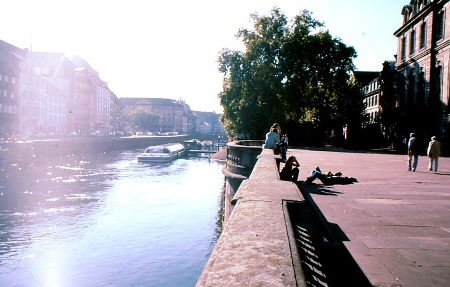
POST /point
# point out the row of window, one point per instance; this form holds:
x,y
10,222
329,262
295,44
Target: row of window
x,y
423,36
6,78
371,101
8,109
370,87
373,116
56,120
56,109
7,93
412,41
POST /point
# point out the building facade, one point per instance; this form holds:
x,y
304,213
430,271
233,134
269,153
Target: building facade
x,y
372,93
174,115
10,59
369,81
423,62
48,94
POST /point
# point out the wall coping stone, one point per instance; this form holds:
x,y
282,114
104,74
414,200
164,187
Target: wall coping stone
x,y
255,247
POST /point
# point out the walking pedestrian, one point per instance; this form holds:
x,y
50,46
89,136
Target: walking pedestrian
x,y
434,151
413,152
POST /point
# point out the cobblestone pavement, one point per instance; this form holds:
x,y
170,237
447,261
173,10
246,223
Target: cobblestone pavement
x,y
396,222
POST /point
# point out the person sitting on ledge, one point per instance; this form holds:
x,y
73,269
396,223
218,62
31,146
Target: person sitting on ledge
x,y
290,170
329,178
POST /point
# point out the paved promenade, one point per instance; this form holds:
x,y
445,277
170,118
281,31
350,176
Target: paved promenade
x,y
397,221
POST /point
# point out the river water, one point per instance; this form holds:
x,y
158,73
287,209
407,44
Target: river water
x,y
107,220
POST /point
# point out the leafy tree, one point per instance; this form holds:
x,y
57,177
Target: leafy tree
x,y
252,87
144,120
291,73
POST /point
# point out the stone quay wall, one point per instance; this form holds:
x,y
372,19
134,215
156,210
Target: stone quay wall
x,y
257,245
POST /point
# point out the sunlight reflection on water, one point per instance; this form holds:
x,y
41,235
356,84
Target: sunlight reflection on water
x,y
108,220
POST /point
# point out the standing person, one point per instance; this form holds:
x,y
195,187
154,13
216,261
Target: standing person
x,y
290,170
286,140
434,151
413,152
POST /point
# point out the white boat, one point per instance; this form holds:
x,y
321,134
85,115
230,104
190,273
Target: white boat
x,y
161,153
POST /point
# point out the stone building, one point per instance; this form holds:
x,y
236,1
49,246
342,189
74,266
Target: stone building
x,y
51,94
370,83
175,116
372,94
423,61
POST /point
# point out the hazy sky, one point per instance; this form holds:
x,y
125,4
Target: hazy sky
x,y
169,49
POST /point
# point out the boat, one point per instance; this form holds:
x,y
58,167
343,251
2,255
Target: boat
x,y
161,153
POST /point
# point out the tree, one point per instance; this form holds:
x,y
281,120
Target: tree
x,y
389,102
291,73
144,121
252,87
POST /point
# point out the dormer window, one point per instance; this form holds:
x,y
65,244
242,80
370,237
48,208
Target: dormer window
x,y
406,12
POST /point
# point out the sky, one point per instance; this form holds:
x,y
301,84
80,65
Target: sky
x,y
169,49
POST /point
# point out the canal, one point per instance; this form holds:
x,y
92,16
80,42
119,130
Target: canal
x,y
107,220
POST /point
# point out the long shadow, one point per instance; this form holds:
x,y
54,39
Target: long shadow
x,y
442,173
325,259
321,190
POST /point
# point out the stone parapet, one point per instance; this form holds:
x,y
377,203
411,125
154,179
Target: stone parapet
x,y
256,247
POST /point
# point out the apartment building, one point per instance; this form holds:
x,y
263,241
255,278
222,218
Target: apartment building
x,y
423,61
49,94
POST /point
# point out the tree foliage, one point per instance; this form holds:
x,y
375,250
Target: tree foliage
x,y
144,121
389,102
291,72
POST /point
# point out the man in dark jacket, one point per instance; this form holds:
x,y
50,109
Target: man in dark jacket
x,y
413,152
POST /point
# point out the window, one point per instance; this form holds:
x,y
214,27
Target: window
x,y
440,25
412,42
439,82
403,48
423,35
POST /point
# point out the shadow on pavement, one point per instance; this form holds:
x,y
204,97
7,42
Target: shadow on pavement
x,y
324,258
319,189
